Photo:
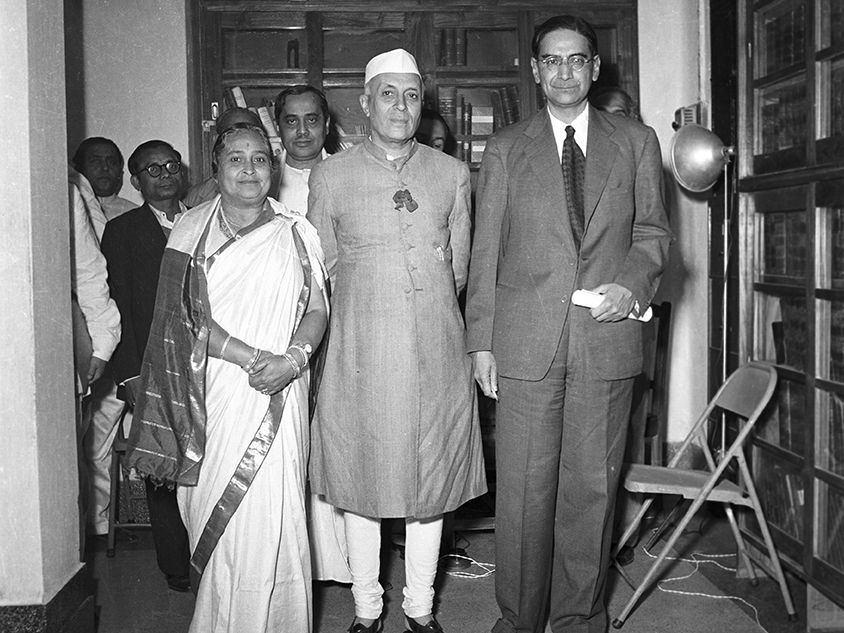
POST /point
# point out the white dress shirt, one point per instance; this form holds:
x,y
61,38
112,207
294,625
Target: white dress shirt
x,y
581,131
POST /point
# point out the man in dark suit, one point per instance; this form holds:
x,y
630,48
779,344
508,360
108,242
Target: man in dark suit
x,y
562,374
133,245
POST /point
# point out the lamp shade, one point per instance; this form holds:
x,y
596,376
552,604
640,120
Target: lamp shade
x,y
697,157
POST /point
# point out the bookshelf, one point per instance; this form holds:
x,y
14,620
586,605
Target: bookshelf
x,y
473,51
791,234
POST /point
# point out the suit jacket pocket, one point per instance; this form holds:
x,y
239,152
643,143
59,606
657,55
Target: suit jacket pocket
x,y
614,350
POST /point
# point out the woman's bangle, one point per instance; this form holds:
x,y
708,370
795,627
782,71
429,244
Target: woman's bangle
x,y
223,348
297,370
252,360
304,351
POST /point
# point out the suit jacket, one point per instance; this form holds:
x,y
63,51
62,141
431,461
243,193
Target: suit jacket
x,y
133,245
525,265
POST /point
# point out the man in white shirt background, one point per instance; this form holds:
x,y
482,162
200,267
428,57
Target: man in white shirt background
x,y
303,120
100,161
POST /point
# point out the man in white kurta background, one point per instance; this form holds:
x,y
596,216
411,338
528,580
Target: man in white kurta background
x,y
301,114
395,431
100,161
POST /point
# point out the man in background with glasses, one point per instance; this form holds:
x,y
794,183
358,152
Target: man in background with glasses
x,y
569,199
133,245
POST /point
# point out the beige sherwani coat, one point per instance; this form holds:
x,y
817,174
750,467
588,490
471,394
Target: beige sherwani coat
x,y
395,431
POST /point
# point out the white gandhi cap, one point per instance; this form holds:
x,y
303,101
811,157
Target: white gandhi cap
x,y
397,60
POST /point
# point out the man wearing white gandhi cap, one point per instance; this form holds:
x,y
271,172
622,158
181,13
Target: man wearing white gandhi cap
x,y
395,431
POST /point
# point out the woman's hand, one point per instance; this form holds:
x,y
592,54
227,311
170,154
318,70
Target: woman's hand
x,y
271,374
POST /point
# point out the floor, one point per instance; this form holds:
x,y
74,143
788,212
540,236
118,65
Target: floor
x,y
132,597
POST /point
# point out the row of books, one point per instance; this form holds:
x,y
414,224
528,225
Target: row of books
x,y
785,38
783,119
832,455
465,118
235,99
452,47
782,497
785,248
470,151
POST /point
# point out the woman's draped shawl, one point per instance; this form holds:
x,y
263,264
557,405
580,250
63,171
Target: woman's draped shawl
x,y
167,439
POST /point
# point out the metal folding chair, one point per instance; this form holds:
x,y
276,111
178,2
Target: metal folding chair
x,y
744,395
132,518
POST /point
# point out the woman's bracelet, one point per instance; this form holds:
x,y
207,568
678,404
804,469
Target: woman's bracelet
x,y
223,348
297,370
252,360
304,351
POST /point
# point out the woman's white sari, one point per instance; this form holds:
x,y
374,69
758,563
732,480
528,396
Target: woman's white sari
x,y
258,578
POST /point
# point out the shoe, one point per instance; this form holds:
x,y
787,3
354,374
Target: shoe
x,y
625,556
357,627
179,583
432,627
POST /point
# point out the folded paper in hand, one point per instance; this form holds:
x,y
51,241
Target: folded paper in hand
x,y
589,299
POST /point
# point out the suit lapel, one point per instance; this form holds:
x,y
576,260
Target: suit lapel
x,y
153,236
541,153
543,158
600,156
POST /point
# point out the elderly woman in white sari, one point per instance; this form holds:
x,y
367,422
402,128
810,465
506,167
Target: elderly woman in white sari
x,y
224,413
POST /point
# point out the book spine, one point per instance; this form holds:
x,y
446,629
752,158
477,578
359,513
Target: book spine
x,y
482,120
478,148
506,106
237,97
513,101
460,47
467,119
447,105
450,47
267,121
497,112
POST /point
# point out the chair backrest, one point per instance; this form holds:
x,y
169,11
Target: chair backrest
x,y
747,390
746,393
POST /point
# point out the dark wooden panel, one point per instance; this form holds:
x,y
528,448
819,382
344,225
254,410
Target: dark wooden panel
x,y
363,22
247,49
242,19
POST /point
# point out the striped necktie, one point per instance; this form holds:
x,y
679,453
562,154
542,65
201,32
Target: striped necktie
x,y
574,163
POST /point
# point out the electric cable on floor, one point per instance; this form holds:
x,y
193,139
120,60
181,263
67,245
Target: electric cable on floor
x,y
697,562
488,568
462,543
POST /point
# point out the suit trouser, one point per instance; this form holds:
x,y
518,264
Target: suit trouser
x,y
559,448
172,549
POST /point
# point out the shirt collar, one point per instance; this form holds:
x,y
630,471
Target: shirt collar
x,y
302,170
379,153
581,130
162,217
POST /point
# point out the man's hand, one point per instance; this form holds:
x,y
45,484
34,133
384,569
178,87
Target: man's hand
x,y
96,368
130,390
617,304
486,373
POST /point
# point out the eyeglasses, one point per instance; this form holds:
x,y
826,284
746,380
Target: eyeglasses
x,y
155,170
575,62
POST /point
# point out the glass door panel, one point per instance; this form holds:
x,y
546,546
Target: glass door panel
x,y
830,541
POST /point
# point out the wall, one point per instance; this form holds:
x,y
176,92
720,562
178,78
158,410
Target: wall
x,y
673,69
134,72
39,547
